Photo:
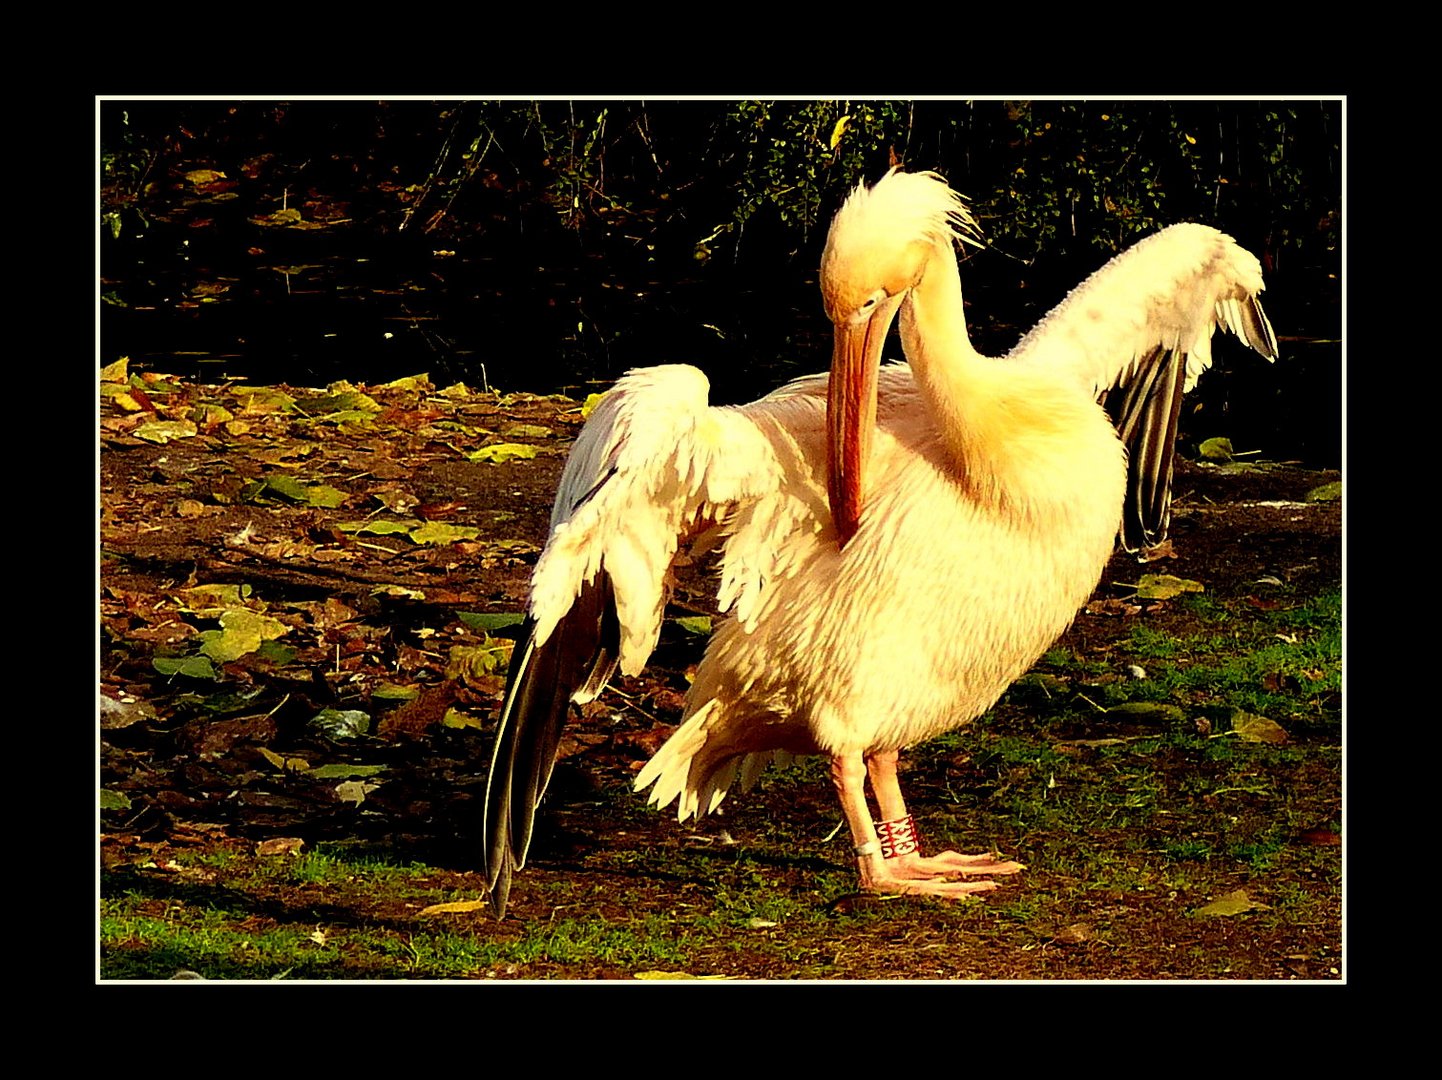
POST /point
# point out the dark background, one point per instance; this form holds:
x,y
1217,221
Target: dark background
x,y
551,245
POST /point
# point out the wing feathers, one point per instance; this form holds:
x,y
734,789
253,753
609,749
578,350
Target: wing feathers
x,y
1146,412
1172,289
542,681
652,463
1138,333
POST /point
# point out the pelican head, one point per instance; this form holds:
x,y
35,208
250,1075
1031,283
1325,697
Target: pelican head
x,y
880,243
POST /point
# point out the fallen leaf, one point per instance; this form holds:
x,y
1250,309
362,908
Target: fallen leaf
x,y
335,772
289,216
241,632
392,692
344,401
468,661
419,716
437,532
420,383
488,622
1219,449
128,402
1165,586
280,845
325,496
212,601
354,791
1251,728
1233,903
284,764
194,667
398,592
454,718
162,431
499,452
380,528
340,723
1157,552
455,907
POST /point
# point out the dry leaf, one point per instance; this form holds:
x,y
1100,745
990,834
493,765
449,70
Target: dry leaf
x,y
1165,586
456,907
280,845
1252,728
1233,903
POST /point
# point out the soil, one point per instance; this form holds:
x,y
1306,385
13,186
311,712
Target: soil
x,y
190,761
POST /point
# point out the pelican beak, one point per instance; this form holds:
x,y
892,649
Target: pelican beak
x,y
851,413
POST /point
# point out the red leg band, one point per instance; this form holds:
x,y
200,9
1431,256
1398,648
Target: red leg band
x,y
897,837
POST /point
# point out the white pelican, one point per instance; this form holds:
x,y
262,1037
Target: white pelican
x,y
893,557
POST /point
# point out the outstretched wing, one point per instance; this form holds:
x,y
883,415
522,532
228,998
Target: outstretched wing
x,y
652,464
1138,334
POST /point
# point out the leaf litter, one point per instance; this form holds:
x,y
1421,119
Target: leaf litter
x,y
308,681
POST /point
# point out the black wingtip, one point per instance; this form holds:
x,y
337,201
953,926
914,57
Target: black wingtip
x,y
499,891
1258,329
1146,417
540,686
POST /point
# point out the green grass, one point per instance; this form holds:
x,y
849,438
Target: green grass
x,y
1157,821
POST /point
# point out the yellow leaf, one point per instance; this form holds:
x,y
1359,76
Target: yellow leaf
x,y
1165,586
1252,728
502,452
839,130
1233,903
457,907
116,372
421,382
162,431
272,757
454,718
438,532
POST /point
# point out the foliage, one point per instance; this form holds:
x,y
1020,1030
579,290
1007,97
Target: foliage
x,y
1078,175
793,153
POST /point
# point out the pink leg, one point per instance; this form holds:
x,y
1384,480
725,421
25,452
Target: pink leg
x,y
879,875
884,784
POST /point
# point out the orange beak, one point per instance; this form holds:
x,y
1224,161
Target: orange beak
x,y
851,414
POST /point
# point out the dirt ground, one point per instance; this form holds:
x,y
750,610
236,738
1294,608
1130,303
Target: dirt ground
x,y
189,761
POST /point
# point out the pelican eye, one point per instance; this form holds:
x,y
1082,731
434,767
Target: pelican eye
x,y
871,303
